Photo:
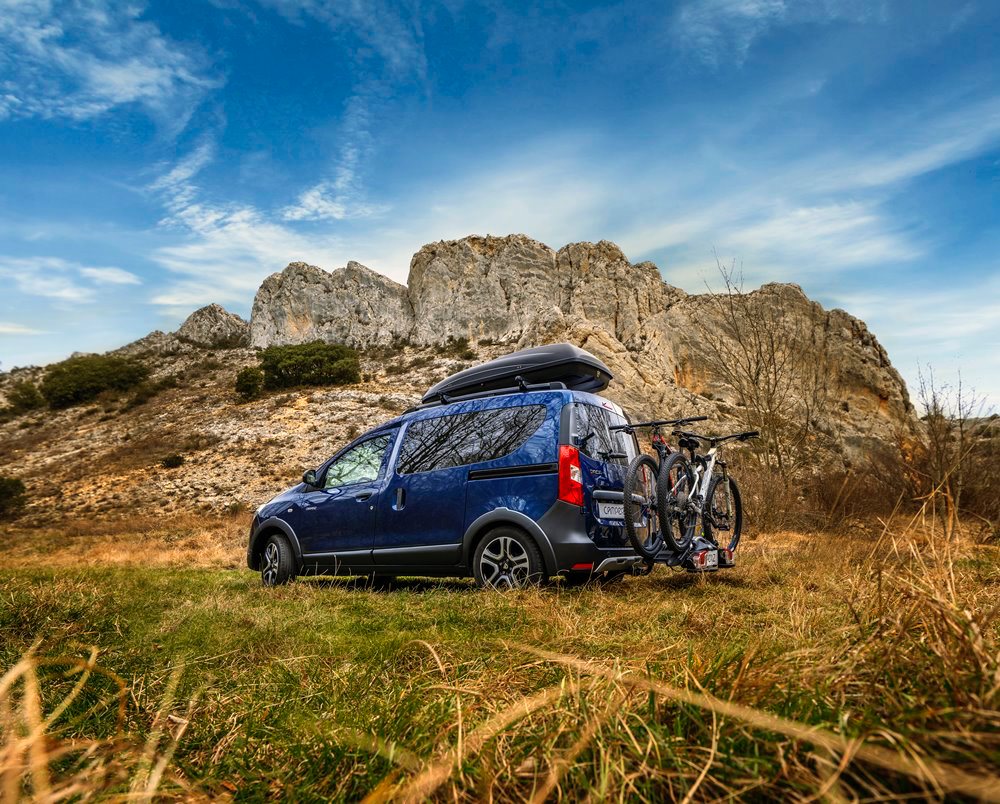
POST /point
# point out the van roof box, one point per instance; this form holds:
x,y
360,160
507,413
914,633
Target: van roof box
x,y
560,363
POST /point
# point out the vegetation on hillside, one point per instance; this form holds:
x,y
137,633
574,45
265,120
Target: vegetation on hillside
x,y
80,379
12,496
306,364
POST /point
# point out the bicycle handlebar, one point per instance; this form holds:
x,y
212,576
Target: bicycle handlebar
x,y
748,435
658,423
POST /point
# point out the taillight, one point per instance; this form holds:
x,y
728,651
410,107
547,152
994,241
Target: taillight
x,y
570,475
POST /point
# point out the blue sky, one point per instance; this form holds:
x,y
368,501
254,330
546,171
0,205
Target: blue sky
x,y
157,157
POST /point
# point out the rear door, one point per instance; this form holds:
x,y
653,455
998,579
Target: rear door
x,y
604,457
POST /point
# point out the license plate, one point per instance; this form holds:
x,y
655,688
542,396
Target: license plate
x,y
611,511
711,558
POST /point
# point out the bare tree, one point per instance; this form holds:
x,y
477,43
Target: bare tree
x,y
777,364
952,430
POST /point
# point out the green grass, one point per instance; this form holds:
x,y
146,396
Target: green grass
x,y
326,689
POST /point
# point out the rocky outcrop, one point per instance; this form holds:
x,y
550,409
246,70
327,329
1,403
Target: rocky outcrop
x,y
515,290
352,305
214,327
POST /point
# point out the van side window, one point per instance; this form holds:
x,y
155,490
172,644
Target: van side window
x,y
464,438
360,464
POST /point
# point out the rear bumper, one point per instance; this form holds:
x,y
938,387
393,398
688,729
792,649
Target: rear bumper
x,y
565,528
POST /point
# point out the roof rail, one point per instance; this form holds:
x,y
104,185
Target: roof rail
x,y
521,387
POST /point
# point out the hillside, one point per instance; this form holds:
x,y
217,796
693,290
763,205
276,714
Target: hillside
x,y
466,301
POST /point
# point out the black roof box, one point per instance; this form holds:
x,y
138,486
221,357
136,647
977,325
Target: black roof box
x,y
577,369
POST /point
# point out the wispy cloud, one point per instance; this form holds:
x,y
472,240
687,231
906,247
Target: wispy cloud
x,y
720,32
9,328
110,276
56,278
78,60
343,196
224,249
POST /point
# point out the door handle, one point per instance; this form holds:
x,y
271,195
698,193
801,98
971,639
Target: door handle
x,y
364,495
400,499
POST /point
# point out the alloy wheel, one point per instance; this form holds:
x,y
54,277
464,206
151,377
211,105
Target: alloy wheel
x,y
504,564
272,558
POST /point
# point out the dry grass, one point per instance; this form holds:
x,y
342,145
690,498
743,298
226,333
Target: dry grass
x,y
823,667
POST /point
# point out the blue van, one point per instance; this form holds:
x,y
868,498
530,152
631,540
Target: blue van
x,y
511,484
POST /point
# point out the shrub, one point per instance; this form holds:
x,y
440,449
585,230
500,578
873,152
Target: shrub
x,y
172,461
80,379
249,383
147,390
12,493
315,363
24,396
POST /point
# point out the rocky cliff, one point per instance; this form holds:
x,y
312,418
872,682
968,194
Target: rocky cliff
x,y
518,292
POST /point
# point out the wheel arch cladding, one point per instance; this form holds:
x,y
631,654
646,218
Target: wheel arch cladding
x,y
505,517
267,529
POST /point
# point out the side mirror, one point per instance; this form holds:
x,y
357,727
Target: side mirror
x,y
309,477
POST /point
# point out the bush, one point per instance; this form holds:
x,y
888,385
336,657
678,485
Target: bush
x,y
12,493
147,390
249,383
315,363
172,461
80,379
24,396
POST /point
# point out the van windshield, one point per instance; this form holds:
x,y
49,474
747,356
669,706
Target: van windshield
x,y
604,442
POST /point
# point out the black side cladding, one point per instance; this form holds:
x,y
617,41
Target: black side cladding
x,y
559,362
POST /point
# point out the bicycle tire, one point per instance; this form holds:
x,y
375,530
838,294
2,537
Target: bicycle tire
x,y
640,481
714,517
674,485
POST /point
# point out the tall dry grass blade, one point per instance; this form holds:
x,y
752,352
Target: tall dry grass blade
x,y
437,773
31,705
565,762
140,782
944,777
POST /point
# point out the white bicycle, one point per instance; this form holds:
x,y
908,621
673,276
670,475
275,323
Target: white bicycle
x,y
700,488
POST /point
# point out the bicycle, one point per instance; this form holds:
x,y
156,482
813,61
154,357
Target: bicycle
x,y
691,489
640,509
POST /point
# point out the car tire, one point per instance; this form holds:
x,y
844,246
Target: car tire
x,y
507,558
277,561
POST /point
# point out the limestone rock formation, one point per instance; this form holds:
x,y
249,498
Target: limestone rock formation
x,y
352,305
519,292
214,326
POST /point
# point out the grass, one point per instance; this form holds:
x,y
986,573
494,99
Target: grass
x,y
822,666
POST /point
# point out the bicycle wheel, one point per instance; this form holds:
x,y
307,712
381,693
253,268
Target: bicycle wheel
x,y
678,516
642,522
723,514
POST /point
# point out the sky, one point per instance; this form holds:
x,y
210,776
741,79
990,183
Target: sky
x,y
156,157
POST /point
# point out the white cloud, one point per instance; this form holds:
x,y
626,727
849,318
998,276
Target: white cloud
x,y
110,276
56,278
80,59
9,328
723,31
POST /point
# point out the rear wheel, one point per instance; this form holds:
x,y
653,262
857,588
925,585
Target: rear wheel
x,y
642,520
677,515
722,519
507,558
277,562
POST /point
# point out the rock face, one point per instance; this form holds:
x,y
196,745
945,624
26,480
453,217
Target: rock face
x,y
352,305
214,326
514,290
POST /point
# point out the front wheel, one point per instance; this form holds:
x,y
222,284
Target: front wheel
x,y
277,563
723,515
678,513
642,520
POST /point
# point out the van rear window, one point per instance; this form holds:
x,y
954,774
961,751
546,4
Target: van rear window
x,y
602,443
465,438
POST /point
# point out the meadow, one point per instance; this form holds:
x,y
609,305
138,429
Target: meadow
x,y
149,664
